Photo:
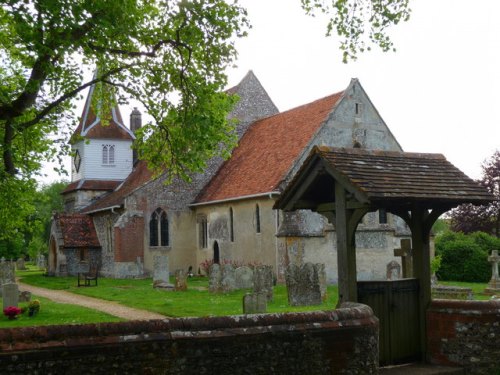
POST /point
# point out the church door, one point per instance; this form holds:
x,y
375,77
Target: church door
x,y
216,253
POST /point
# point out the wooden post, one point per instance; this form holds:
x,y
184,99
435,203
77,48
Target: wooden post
x,y
405,252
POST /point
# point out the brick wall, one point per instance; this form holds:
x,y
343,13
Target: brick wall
x,y
466,334
342,341
128,244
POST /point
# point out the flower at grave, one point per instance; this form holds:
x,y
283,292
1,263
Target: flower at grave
x,y
33,307
11,312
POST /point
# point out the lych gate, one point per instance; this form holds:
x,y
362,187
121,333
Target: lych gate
x,y
345,184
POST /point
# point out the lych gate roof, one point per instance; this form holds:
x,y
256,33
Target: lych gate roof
x,y
267,151
77,230
394,178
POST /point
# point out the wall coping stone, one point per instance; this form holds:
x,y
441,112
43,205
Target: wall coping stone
x,y
465,307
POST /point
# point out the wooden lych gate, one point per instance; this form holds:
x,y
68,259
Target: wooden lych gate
x,y
344,185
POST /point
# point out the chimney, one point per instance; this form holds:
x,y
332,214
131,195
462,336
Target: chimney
x,y
135,124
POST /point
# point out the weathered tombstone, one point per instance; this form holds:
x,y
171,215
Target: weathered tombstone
x,y
303,285
320,269
20,264
10,295
405,252
228,281
263,281
244,277
214,278
494,284
254,303
180,280
160,271
7,273
393,270
24,296
40,261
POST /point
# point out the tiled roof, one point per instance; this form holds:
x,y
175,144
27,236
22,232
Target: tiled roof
x,y
395,178
139,176
105,185
267,151
77,230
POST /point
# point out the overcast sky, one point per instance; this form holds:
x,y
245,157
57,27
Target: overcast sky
x,y
437,93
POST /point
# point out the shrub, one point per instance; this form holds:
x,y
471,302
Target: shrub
x,y
464,257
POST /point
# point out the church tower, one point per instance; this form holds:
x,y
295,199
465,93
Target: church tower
x,y
101,155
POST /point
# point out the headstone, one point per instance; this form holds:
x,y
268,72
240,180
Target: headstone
x,y
263,281
320,269
393,270
254,303
160,272
303,285
10,295
228,281
180,280
24,296
244,277
20,264
214,278
494,284
7,273
405,252
40,262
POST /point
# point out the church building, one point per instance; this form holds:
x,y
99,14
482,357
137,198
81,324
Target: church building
x,y
119,216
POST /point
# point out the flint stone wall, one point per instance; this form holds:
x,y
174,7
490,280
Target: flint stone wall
x,y
465,334
342,341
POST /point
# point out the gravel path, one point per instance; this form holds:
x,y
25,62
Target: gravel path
x,y
112,308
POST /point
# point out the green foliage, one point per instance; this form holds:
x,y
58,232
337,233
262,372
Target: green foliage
x,y
440,226
465,257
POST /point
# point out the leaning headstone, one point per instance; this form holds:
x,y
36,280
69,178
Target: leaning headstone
x,y
180,280
494,284
393,270
263,281
20,264
254,303
228,281
160,272
244,277
10,295
214,278
303,285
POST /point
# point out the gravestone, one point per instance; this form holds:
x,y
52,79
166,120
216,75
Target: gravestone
x,y
320,269
7,273
303,285
255,303
160,272
20,264
40,262
494,284
393,270
405,252
263,281
244,277
24,296
10,295
228,281
180,280
214,278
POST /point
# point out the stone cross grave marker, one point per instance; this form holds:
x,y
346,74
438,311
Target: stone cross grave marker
x,y
393,270
160,271
303,285
180,280
494,284
214,278
263,281
244,277
405,252
255,303
10,294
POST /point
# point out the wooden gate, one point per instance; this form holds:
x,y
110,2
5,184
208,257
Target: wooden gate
x,y
395,303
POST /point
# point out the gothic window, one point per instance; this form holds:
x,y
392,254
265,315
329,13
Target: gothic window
x,y
257,218
203,231
108,154
231,224
158,228
382,216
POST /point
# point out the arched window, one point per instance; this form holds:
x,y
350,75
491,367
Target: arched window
x,y
231,224
257,218
203,231
104,154
158,228
108,154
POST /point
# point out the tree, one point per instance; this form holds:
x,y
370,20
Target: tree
x,y
468,218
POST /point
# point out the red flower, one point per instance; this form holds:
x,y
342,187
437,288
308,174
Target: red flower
x,y
11,311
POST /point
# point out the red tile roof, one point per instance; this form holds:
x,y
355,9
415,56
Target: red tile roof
x,y
139,176
77,230
91,185
267,151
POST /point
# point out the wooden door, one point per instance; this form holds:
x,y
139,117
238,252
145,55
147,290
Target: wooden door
x,y
395,303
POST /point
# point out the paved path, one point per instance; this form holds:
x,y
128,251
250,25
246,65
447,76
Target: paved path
x,y
112,308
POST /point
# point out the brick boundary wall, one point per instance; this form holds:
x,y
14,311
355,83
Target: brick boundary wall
x,y
341,341
465,334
